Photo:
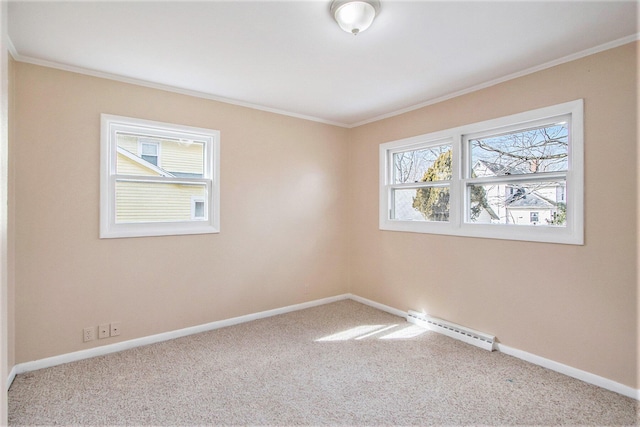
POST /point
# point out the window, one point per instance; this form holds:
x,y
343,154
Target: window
x,y
198,207
421,183
148,150
517,177
158,179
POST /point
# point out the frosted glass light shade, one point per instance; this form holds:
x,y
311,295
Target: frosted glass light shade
x,y
354,16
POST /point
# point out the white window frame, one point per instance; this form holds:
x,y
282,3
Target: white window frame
x,y
572,233
109,228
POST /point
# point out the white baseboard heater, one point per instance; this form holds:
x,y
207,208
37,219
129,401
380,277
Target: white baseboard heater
x,y
479,339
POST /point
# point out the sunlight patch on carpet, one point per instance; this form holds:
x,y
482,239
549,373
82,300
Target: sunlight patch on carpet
x,y
368,331
410,331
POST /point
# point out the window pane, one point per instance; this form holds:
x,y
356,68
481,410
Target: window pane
x,y
426,164
541,149
422,204
149,151
156,201
537,203
149,148
175,158
198,210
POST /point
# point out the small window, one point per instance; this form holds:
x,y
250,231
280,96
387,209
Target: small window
x,y
158,179
198,208
518,177
149,151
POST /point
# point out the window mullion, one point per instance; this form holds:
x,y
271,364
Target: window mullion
x,y
456,204
505,179
420,184
161,179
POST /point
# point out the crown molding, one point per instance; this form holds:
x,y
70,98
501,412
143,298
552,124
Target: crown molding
x,y
159,86
559,61
140,82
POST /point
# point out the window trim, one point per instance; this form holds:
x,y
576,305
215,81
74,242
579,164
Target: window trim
x,y
109,228
573,233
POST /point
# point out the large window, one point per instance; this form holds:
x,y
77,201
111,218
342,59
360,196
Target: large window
x,y
517,177
158,179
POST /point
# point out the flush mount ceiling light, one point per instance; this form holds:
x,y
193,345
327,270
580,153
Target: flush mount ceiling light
x,y
354,16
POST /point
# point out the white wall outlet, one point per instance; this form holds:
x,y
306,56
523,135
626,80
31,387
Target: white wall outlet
x,y
104,331
115,329
89,334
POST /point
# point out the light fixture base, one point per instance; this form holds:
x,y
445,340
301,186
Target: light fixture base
x,y
354,16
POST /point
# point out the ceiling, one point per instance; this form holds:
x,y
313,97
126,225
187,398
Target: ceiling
x,y
291,57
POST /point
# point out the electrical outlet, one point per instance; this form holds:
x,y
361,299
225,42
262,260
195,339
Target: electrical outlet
x,y
115,329
89,334
104,331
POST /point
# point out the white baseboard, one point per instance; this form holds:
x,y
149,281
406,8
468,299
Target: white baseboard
x,y
379,306
570,371
532,358
11,377
125,345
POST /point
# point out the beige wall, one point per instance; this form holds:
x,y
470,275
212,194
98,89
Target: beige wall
x,y
6,289
638,227
576,305
11,226
300,222
283,217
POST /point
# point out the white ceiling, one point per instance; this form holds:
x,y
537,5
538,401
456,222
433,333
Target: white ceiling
x,y
291,57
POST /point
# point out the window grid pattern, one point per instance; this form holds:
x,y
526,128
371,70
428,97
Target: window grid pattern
x,y
151,173
518,178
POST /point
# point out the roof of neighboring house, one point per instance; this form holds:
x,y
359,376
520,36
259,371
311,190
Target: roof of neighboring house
x,y
187,175
145,163
500,169
160,171
529,200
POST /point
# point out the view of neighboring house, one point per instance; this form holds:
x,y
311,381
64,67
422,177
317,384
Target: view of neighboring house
x,y
524,204
507,201
157,186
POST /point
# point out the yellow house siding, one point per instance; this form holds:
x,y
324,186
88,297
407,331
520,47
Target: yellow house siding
x,y
173,156
126,166
155,202
179,157
129,143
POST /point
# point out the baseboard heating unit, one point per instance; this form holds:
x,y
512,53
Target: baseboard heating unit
x,y
452,330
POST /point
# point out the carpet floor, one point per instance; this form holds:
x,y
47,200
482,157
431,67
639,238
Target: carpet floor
x,y
338,364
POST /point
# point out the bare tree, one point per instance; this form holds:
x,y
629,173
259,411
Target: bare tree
x,y
530,151
543,149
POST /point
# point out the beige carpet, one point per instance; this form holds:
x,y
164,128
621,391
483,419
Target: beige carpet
x,y
339,364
